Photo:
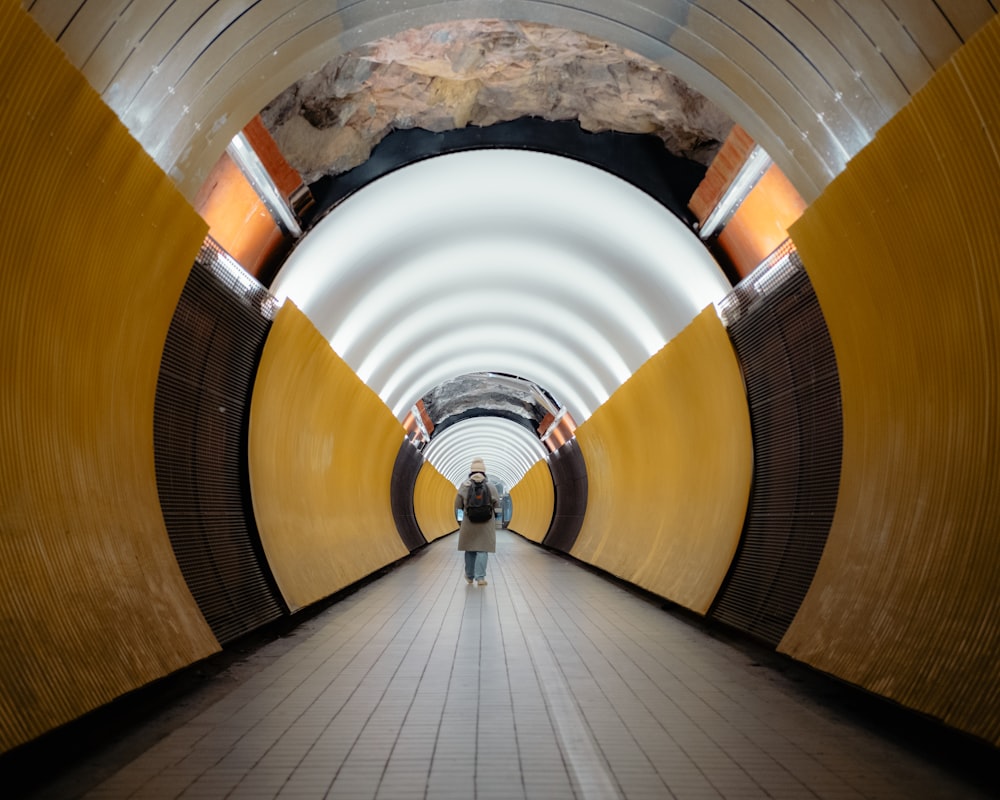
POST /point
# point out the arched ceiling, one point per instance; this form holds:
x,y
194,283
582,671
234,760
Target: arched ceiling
x,y
507,449
502,261
810,82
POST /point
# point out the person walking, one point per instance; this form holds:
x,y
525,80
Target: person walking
x,y
477,537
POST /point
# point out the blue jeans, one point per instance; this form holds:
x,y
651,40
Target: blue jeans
x,y
475,564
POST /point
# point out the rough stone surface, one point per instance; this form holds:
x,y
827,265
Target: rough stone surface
x,y
457,397
482,72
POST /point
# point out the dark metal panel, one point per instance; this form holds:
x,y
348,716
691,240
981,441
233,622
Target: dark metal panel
x,y
401,487
200,424
793,389
569,477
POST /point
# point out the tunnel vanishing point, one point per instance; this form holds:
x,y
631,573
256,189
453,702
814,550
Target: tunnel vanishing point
x,y
186,458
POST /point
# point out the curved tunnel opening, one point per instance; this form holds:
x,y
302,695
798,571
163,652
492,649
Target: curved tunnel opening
x,y
787,358
334,281
547,266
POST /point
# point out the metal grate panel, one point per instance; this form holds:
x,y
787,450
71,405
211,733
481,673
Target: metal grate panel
x,y
200,424
401,490
569,477
793,390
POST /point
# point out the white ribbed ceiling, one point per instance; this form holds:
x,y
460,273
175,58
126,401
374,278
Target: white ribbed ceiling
x,y
508,450
504,261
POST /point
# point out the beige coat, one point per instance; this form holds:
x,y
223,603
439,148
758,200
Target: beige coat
x,y
479,536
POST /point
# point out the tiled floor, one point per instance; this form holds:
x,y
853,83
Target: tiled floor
x,y
551,682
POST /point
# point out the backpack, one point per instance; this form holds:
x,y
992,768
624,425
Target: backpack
x,y
478,502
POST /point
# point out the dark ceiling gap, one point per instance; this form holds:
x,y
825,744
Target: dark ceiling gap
x,y
640,159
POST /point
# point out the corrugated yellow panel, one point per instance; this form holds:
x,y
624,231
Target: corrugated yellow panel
x,y
668,469
904,253
434,503
532,503
92,601
322,448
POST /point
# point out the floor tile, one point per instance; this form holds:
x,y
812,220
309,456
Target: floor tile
x,y
551,682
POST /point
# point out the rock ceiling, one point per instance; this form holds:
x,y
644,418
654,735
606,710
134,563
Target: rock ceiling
x,y
507,396
481,72
478,73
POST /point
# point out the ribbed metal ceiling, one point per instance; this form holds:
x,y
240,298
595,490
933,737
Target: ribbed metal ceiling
x,y
508,450
811,82
505,261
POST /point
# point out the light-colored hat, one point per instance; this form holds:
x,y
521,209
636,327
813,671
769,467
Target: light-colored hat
x,y
477,466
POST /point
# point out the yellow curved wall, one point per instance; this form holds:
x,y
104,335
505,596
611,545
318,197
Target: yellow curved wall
x,y
434,503
669,463
92,602
532,503
322,446
904,252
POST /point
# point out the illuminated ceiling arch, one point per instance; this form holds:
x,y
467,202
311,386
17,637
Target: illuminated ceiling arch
x,y
500,260
508,449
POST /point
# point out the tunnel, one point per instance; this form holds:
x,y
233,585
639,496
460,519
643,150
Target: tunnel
x,y
278,271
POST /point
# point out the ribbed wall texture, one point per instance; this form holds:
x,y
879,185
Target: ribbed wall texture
x,y
532,503
401,488
568,474
200,432
787,359
92,604
904,253
434,502
322,448
668,466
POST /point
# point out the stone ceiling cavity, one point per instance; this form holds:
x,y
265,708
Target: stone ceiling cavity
x,y
480,72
